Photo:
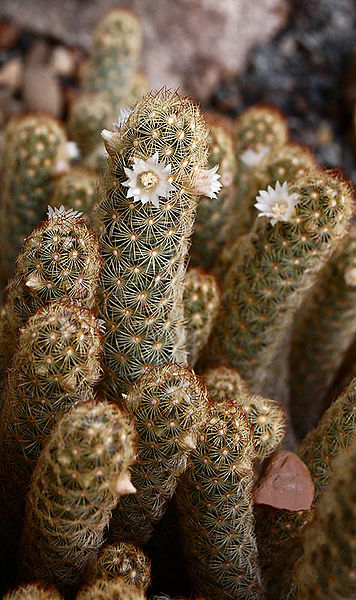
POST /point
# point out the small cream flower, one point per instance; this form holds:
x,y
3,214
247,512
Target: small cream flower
x,y
252,158
206,182
277,204
148,180
350,276
62,213
72,150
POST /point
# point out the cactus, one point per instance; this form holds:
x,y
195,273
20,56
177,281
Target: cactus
x,y
279,531
110,589
35,150
145,222
265,416
59,259
33,591
213,213
322,332
201,298
216,509
326,567
122,560
140,87
80,474
168,404
54,368
268,280
77,189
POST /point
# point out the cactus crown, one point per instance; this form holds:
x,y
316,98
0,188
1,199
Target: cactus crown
x,y
125,561
33,591
115,589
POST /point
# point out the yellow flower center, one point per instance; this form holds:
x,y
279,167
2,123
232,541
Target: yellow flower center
x,y
147,180
280,209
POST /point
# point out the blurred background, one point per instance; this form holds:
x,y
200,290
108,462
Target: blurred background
x,y
297,54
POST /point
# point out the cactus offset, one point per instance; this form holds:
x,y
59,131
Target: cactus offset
x,y
213,213
201,298
144,238
33,591
266,416
268,280
60,258
77,189
35,150
79,477
323,330
216,508
121,560
110,589
168,404
326,567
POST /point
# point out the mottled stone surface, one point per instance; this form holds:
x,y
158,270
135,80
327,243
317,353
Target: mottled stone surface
x,y
188,43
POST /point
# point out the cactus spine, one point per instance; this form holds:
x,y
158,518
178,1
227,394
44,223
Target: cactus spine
x,y
216,509
33,591
110,589
326,567
322,332
35,150
168,404
275,266
144,243
124,561
265,416
81,472
59,259
201,298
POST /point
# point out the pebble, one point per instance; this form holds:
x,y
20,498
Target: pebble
x,y
42,91
9,35
63,61
11,74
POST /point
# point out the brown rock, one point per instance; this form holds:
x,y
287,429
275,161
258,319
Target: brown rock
x,y
63,61
11,74
38,53
285,483
42,91
9,34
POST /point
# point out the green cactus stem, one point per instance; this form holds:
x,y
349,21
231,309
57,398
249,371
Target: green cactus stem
x,y
33,591
60,259
121,560
300,227
54,368
168,404
266,416
201,298
216,509
213,213
323,331
77,189
144,224
79,477
326,569
35,150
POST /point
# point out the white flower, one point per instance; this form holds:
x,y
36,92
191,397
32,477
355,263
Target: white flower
x,y
350,276
277,204
206,182
72,150
148,180
62,213
124,114
251,158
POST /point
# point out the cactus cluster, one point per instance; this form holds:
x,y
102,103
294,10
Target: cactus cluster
x,y
104,425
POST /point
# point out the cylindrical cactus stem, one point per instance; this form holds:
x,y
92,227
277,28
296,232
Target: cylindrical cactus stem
x,y
80,475
36,149
54,368
169,405
121,560
216,509
153,177
110,589
114,56
326,568
301,225
88,115
201,299
279,531
33,591
266,416
214,212
323,331
77,190
140,87
60,259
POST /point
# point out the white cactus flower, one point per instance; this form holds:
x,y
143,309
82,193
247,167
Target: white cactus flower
x,y
252,158
148,180
277,204
124,114
72,150
206,182
62,213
